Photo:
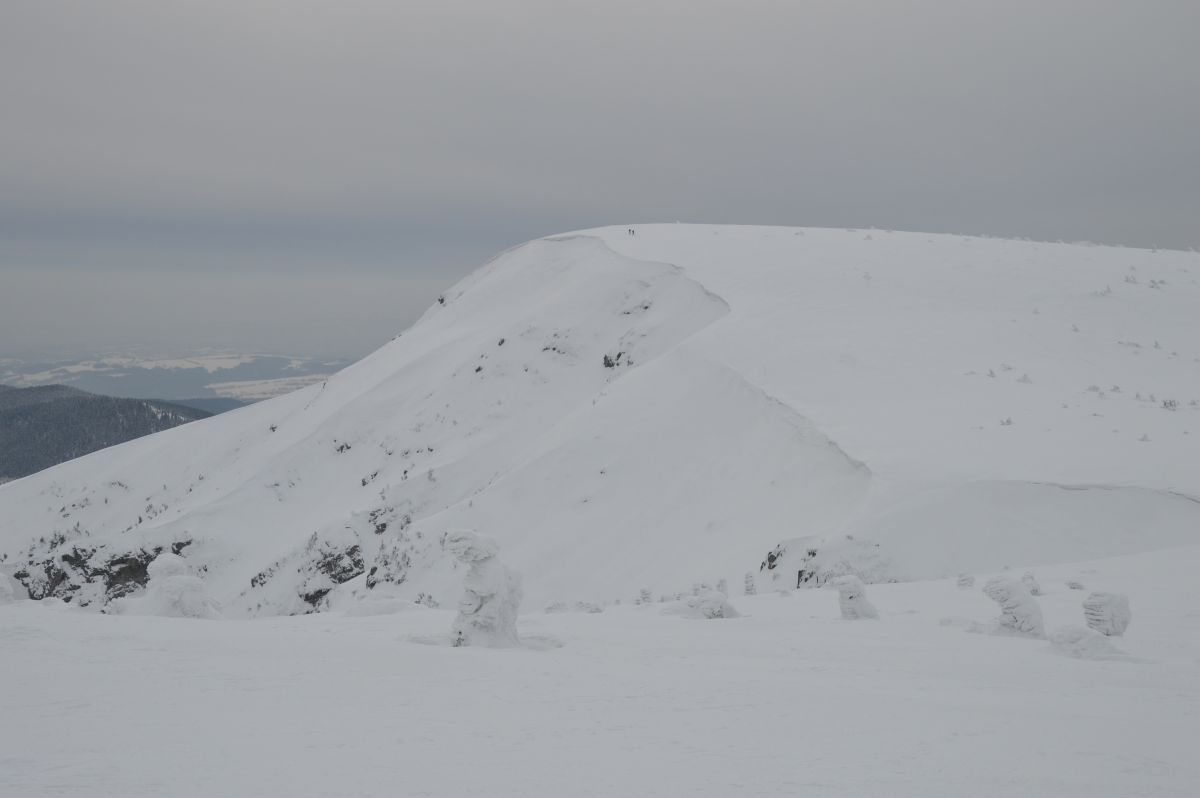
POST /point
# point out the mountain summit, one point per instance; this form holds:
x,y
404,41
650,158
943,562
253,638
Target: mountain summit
x,y
666,405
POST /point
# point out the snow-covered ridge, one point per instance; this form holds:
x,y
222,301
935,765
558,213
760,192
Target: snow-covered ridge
x,y
654,409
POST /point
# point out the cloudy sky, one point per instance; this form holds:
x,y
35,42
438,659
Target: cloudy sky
x,y
305,177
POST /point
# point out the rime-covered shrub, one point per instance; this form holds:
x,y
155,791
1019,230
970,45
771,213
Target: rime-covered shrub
x,y
171,591
1019,611
711,604
706,605
1107,613
487,611
852,598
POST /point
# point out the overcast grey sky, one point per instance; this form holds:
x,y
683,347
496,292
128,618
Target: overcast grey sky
x,y
307,176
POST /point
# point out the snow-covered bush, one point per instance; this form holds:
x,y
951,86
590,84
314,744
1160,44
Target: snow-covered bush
x,y
712,604
171,591
1031,583
708,604
1107,613
750,588
966,580
1019,610
487,611
1081,643
852,597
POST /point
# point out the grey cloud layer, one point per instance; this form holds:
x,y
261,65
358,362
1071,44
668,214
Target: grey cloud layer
x,y
404,139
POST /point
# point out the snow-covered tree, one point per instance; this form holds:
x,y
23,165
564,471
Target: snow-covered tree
x,y
751,588
966,580
722,586
1107,613
171,591
487,611
852,597
1031,583
711,604
644,597
1019,610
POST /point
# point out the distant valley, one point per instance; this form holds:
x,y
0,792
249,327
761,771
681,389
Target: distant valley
x,y
207,375
47,425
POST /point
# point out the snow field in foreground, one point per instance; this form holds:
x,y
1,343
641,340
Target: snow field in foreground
x,y
787,699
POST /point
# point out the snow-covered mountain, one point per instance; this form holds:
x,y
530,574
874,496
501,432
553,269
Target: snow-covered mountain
x,y
671,404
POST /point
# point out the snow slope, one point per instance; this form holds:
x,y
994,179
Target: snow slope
x,y
654,410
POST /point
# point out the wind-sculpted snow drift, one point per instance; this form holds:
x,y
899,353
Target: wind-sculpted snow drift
x,y
625,412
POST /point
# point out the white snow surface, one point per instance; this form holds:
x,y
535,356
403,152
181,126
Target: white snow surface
x,y
627,411
787,700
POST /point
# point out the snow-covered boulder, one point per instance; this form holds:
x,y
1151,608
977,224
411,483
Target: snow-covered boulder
x,y
1019,610
487,611
852,597
1081,643
171,591
1107,613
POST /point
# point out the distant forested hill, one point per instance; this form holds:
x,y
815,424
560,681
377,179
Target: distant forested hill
x,y
49,424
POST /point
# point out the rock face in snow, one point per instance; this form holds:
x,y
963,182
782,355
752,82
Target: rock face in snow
x,y
491,598
1019,610
852,598
640,411
172,591
1107,613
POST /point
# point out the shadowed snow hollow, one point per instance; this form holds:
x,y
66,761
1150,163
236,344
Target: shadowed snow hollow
x,y
653,410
